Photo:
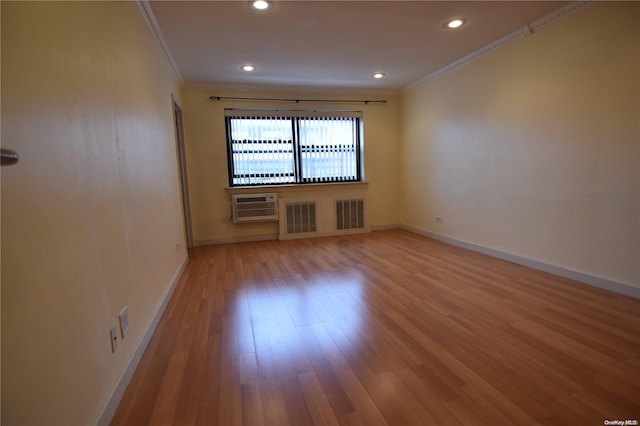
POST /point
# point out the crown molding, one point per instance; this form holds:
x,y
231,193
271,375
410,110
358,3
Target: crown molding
x,y
290,90
567,10
524,31
150,19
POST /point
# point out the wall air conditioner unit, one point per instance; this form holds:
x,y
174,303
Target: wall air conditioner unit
x,y
254,207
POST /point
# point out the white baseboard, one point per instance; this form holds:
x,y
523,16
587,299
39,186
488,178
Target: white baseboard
x,y
107,413
269,237
231,240
592,280
323,234
386,227
595,281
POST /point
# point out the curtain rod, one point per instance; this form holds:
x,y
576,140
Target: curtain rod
x,y
332,101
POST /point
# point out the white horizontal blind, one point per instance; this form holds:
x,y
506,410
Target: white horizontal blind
x,y
277,147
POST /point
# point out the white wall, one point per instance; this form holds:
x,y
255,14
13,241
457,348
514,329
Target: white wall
x,y
91,214
534,149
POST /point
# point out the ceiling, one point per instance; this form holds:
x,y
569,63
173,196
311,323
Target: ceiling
x,y
337,44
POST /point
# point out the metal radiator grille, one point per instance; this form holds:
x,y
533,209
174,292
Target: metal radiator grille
x,y
301,217
349,214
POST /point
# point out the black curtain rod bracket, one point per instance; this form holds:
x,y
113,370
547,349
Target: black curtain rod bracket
x,y
331,101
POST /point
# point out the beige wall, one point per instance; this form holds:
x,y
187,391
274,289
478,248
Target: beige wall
x,y
208,172
91,214
534,149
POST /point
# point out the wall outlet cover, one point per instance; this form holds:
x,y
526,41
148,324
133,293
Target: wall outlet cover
x,y
115,341
124,321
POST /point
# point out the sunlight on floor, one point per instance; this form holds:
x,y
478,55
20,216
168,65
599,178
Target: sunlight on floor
x,y
282,316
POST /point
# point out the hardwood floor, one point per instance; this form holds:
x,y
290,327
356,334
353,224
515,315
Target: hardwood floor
x,y
383,328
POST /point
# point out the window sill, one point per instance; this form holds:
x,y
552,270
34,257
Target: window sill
x,y
296,187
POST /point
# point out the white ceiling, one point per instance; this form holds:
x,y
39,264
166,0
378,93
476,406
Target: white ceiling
x,y
337,44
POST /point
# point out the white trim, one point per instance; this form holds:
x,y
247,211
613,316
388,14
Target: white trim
x,y
524,31
297,187
467,59
388,227
567,10
274,237
109,409
592,280
232,240
183,175
152,23
323,234
269,89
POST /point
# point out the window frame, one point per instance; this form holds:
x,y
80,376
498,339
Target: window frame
x,y
295,116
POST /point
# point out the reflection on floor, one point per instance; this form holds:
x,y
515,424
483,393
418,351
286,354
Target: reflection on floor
x,y
383,328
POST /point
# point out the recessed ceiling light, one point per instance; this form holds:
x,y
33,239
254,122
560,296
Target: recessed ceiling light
x,y
455,23
379,75
248,68
261,4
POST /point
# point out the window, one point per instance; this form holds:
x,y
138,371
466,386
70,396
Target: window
x,y
295,147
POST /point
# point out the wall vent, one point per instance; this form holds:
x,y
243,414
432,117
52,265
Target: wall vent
x,y
350,214
323,216
300,217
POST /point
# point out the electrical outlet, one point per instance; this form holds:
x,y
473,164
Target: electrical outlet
x,y
124,321
113,334
438,219
177,246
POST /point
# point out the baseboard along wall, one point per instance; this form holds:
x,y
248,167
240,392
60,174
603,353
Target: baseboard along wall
x,y
109,409
592,280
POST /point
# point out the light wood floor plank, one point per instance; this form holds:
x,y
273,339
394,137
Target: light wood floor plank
x,y
386,328
274,405
316,400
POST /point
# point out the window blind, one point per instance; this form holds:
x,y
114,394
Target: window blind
x,y
279,147
262,150
329,149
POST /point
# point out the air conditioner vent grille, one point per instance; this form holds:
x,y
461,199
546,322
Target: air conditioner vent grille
x,y
301,217
349,214
255,207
